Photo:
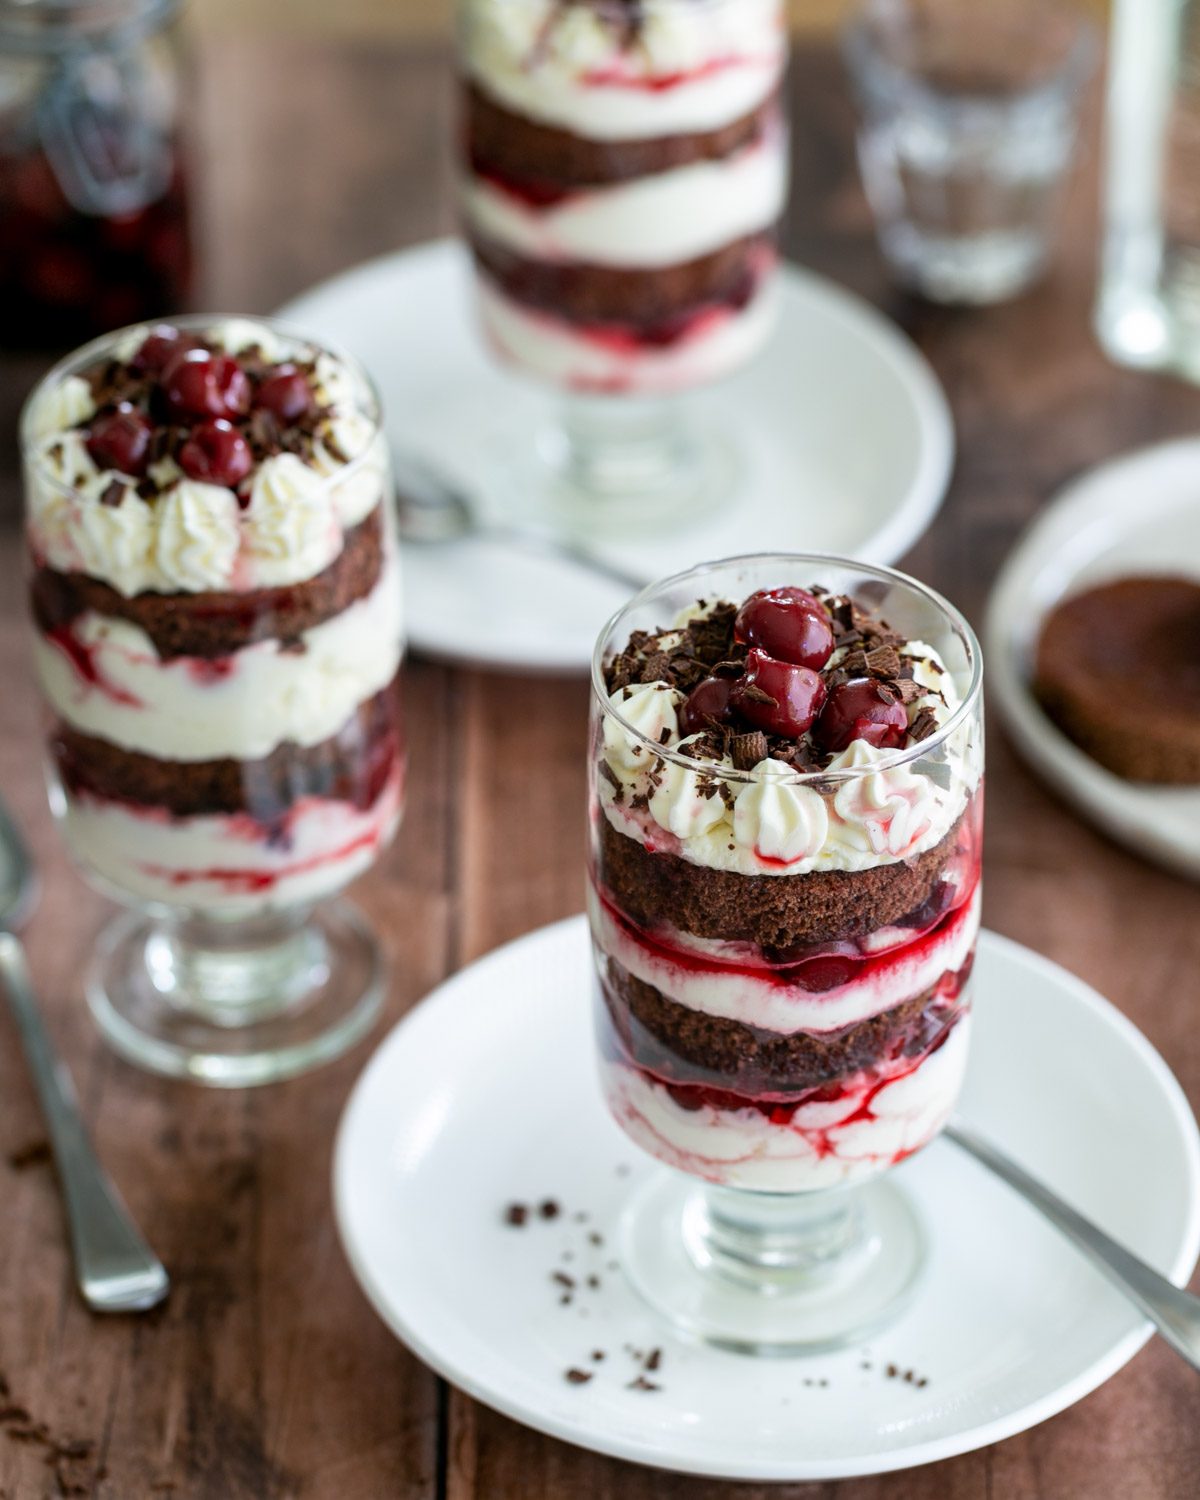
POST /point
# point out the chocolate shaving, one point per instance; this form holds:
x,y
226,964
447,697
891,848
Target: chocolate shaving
x,y
884,661
908,690
516,1214
922,726
754,694
746,750
114,493
656,667
578,1377
642,1384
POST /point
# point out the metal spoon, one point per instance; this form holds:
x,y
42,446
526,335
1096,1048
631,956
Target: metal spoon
x,y
115,1269
1175,1313
433,509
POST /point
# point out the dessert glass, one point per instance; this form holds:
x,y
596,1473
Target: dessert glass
x,y
224,743
625,168
782,991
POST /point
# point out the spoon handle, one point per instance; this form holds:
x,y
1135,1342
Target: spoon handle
x,y
1174,1312
575,552
115,1268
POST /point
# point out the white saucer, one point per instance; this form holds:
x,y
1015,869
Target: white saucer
x,y
846,434
486,1095
1137,514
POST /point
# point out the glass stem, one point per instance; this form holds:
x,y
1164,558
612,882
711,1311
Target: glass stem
x,y
236,972
613,446
775,1243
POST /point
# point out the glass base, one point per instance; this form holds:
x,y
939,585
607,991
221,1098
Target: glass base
x,y
619,466
237,1004
773,1274
969,270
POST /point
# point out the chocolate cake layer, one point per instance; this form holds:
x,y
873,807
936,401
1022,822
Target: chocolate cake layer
x,y
351,766
546,162
211,625
778,912
1118,670
688,1047
655,303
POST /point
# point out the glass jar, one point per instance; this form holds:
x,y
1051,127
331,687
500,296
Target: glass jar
x,y
93,195
783,949
218,640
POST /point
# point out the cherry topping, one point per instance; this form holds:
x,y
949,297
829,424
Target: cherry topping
x,y
798,693
286,394
216,453
707,701
160,344
120,440
862,709
790,624
200,384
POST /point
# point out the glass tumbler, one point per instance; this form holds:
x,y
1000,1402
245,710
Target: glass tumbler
x,y
969,119
623,172
217,615
783,951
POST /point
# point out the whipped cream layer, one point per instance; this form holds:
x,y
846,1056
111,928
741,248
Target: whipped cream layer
x,y
659,220
194,537
861,812
231,865
767,1001
670,67
609,360
106,679
876,1121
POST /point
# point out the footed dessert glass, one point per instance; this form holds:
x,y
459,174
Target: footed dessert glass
x,y
785,815
625,168
216,599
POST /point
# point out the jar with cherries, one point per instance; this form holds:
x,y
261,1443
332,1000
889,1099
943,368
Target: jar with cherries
x,y
93,197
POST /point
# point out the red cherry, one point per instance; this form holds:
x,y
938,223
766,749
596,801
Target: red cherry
x,y
862,709
798,693
216,453
707,701
161,344
286,394
200,384
120,440
790,624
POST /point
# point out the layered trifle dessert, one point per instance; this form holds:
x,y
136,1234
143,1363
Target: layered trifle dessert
x,y
785,857
625,166
215,590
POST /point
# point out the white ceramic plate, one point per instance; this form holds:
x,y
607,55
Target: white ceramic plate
x,y
486,1095
846,435
1138,514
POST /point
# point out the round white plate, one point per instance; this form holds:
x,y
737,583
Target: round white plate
x,y
846,436
1138,514
486,1095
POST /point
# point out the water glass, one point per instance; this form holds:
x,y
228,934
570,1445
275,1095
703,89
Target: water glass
x,y
969,116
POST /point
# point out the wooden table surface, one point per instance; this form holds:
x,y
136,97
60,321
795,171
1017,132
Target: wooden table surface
x,y
267,1375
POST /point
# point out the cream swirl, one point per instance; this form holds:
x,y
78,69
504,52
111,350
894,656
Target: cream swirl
x,y
882,811
197,536
652,710
687,801
61,406
778,816
291,530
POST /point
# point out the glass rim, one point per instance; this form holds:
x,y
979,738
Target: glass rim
x,y
961,714
87,353
867,62
70,23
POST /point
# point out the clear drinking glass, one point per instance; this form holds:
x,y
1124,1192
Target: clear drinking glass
x,y
969,120
220,665
624,170
782,976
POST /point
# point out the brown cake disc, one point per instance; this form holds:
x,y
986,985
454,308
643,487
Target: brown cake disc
x,y
1118,670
